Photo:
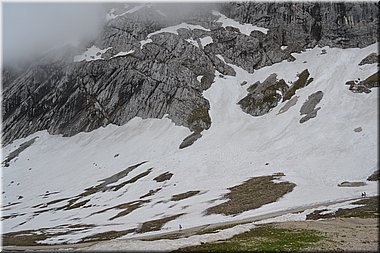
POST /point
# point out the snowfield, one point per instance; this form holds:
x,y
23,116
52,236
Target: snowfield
x,y
316,155
91,54
173,29
244,28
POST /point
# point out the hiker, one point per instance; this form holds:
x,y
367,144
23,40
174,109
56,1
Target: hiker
x,y
364,194
180,227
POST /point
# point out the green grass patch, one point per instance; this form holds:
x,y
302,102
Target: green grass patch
x,y
252,194
264,238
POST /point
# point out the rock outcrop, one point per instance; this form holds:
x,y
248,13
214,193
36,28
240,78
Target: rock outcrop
x,y
370,59
262,97
160,74
306,24
308,108
357,86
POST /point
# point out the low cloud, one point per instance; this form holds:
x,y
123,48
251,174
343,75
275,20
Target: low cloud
x,y
31,28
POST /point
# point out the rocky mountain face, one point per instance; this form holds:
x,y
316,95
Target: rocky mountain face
x,y
306,24
165,73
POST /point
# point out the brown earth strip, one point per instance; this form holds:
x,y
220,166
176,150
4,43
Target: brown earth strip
x,y
252,194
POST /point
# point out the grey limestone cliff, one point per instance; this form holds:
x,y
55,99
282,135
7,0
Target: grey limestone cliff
x,y
169,74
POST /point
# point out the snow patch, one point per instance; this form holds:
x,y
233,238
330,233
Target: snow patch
x,y
206,40
123,53
316,159
91,54
172,29
143,42
244,28
192,42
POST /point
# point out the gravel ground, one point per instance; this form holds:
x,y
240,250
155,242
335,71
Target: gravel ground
x,y
343,234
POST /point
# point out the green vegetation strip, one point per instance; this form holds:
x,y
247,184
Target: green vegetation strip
x,y
264,238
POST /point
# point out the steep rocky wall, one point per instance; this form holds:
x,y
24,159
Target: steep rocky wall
x,y
306,24
168,75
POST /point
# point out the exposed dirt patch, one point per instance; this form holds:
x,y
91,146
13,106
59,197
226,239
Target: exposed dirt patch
x,y
132,180
364,86
77,202
11,216
150,193
127,208
370,59
109,235
372,80
163,177
374,176
184,195
155,225
301,82
252,194
31,237
369,210
23,238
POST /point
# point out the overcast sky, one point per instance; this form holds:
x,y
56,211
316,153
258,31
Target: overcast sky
x,y
32,27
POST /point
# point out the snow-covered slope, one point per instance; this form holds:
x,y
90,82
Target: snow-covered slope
x,y
316,155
